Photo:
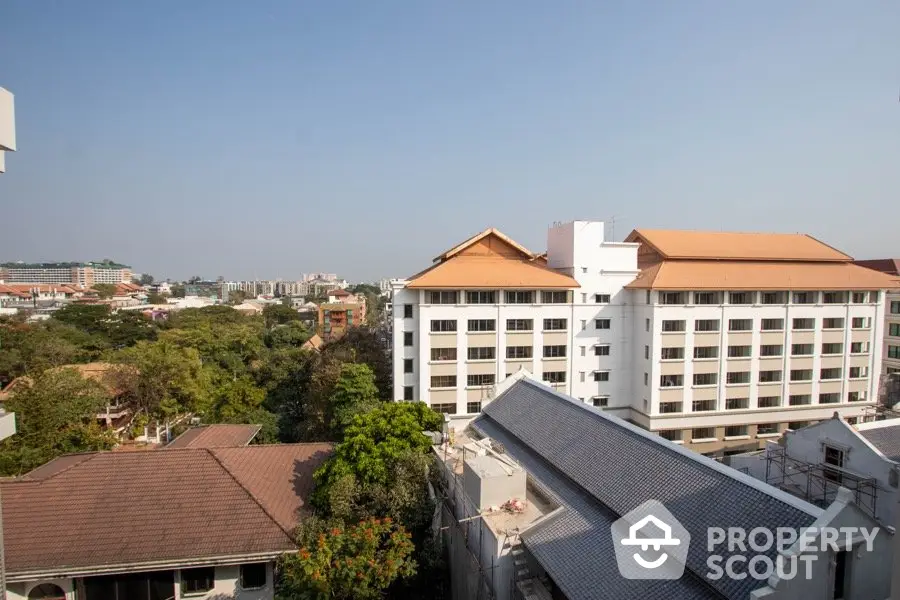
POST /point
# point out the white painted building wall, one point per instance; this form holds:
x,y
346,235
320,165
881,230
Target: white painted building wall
x,y
7,126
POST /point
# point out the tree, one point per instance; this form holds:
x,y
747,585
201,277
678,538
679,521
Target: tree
x,y
236,296
105,290
145,279
166,379
55,415
354,394
357,562
376,440
177,290
279,314
290,334
107,329
195,279
364,288
362,345
154,298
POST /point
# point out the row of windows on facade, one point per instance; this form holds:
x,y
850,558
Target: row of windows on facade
x,y
744,298
482,325
770,376
732,431
765,350
509,297
512,352
797,324
160,584
761,402
484,379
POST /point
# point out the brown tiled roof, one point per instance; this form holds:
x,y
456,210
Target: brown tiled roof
x,y
313,343
119,511
490,260
216,436
743,275
712,245
339,293
282,487
891,266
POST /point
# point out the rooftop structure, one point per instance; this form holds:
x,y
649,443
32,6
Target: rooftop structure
x,y
215,436
595,468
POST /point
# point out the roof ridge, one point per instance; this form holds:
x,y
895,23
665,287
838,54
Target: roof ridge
x,y
212,453
699,459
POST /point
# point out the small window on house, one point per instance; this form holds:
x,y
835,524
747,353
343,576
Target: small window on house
x,y
473,407
447,408
519,324
766,428
554,376
407,365
443,381
646,352
253,576
601,298
480,379
444,353
481,353
668,381
894,330
555,324
768,401
895,307
669,407
834,298
772,298
407,392
600,401
703,433
554,297
648,299
441,297
856,396
799,400
734,377
443,325
859,372
601,324
672,298
795,425
737,403
740,324
673,435
833,323
555,351
518,352
706,378
195,581
706,298
601,350
671,326
771,350
739,351
647,324
804,298
801,349
772,324
735,431
861,322
407,311
601,375
893,352
741,297
706,325
407,338
706,352
646,379
803,324
519,297
801,374
482,325
671,354
481,297
769,376
830,398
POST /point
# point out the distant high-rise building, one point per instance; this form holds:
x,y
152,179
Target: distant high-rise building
x,y
86,273
7,126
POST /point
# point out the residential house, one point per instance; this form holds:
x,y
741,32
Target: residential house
x,y
336,318
714,340
535,483
195,522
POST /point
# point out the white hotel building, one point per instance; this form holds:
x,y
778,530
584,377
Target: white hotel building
x,y
717,340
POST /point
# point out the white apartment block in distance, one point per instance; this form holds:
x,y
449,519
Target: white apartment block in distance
x,y
719,341
7,126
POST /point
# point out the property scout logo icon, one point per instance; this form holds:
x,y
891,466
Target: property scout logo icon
x,y
650,543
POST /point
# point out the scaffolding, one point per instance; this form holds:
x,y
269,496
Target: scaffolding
x,y
818,483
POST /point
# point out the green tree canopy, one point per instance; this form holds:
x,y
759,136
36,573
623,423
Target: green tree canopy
x,y
107,329
279,314
55,415
154,298
354,394
105,290
349,563
145,279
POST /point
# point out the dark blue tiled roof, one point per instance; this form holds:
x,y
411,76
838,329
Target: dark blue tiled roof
x,y
601,468
886,439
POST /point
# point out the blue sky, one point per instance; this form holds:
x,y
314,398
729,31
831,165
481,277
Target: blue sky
x,y
266,139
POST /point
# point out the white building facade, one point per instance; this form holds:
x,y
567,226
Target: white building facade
x,y
720,370
7,126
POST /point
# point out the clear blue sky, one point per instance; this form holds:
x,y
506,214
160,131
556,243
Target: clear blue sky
x,y
265,139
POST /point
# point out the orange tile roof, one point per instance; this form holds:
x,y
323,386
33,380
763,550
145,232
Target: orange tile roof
x,y
758,275
714,245
490,260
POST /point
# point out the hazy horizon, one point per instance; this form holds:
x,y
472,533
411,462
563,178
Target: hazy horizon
x,y
265,140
